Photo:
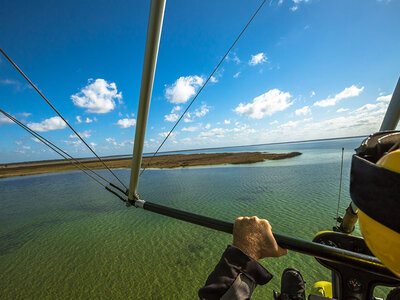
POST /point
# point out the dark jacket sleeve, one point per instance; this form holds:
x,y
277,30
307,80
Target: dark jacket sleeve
x,y
236,274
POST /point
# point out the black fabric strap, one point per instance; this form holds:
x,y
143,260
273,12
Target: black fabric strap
x,y
376,191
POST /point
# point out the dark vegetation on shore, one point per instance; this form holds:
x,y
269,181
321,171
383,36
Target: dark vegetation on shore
x,y
162,161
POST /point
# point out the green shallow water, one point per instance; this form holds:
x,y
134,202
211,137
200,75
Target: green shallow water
x,y
62,237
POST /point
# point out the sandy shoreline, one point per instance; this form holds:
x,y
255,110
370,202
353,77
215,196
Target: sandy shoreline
x,y
160,162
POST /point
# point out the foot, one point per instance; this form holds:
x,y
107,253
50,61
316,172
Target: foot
x,y
292,285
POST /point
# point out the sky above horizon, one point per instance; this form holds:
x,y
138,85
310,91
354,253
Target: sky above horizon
x,y
304,69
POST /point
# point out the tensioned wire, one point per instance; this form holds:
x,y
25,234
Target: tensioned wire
x,y
200,90
63,154
49,103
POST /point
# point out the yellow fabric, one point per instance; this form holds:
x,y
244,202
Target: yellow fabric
x,y
390,161
322,288
382,241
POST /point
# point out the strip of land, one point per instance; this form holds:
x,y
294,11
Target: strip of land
x,y
159,162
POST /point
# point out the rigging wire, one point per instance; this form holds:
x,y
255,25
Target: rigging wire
x,y
200,90
48,102
340,187
63,154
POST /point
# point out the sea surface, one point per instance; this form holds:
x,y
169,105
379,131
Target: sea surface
x,y
62,236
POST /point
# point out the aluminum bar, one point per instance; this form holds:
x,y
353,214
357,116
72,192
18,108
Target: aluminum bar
x,y
154,27
392,115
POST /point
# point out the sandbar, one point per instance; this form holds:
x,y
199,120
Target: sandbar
x,y
159,162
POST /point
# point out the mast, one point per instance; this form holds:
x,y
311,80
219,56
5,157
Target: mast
x,y
392,115
154,27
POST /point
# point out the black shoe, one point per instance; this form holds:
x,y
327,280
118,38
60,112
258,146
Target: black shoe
x,y
292,285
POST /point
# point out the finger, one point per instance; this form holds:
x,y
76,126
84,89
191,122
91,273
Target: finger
x,y
239,219
255,218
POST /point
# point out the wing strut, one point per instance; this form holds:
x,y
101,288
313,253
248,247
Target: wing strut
x,y
156,17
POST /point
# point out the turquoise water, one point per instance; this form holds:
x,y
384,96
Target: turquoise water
x,y
64,237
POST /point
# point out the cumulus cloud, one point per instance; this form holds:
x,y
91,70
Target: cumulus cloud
x,y
126,123
303,111
190,129
340,110
98,96
86,134
202,111
183,89
294,8
258,59
87,120
213,79
312,94
198,113
239,130
386,98
349,92
171,117
53,123
265,105
5,120
176,108
233,57
227,122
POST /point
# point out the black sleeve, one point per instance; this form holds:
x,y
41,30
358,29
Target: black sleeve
x,y
233,263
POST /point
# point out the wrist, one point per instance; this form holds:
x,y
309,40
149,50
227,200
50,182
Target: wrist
x,y
249,251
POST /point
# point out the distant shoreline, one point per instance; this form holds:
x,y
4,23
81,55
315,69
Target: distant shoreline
x,y
160,162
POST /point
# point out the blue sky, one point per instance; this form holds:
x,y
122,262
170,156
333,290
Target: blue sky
x,y
303,70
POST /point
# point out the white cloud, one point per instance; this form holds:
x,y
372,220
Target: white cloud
x,y
5,120
233,57
208,126
386,98
340,110
165,134
202,111
97,97
274,122
171,117
290,124
213,79
236,75
294,8
86,134
349,92
24,114
183,89
367,107
36,140
111,141
222,132
303,111
190,129
258,59
176,108
312,94
87,120
227,121
265,105
53,123
126,123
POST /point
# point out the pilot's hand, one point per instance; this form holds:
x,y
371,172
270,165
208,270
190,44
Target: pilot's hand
x,y
254,237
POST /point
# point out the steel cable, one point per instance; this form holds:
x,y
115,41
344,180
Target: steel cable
x,y
48,102
205,83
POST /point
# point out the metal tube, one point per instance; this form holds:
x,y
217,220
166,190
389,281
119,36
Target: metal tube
x,y
154,27
392,115
359,261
